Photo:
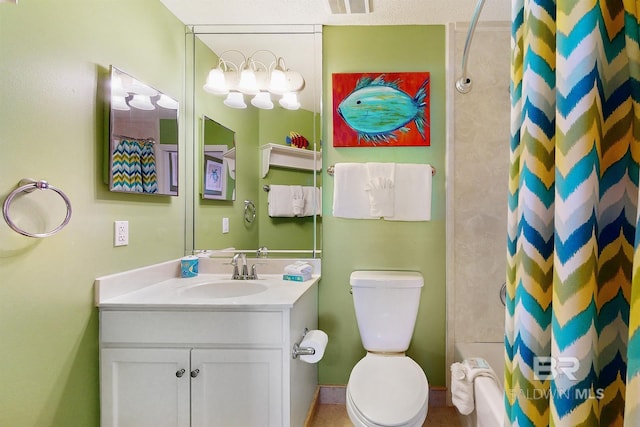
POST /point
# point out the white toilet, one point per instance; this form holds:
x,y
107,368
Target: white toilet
x,y
387,388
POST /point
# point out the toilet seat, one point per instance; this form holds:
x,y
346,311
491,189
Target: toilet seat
x,y
388,391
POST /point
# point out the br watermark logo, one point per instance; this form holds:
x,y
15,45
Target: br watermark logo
x,y
559,368
550,368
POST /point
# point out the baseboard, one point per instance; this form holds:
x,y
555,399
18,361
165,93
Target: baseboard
x,y
337,395
333,394
437,396
313,408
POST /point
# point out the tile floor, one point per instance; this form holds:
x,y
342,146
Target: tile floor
x,y
330,415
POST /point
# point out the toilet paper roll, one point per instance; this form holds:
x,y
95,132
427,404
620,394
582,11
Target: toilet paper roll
x,y
317,340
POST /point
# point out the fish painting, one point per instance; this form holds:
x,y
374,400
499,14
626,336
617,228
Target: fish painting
x,y
380,110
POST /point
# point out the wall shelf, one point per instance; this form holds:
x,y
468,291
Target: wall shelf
x,y
289,157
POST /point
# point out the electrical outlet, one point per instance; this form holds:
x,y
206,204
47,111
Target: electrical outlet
x,y
121,233
225,225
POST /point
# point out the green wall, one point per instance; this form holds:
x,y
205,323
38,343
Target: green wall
x,y
349,244
54,58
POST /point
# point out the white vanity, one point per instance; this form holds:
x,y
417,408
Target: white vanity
x,y
186,352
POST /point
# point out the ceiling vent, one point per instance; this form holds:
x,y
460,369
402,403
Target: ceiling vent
x,y
349,6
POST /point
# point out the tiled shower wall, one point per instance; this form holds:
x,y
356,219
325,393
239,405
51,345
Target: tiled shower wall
x,y
478,161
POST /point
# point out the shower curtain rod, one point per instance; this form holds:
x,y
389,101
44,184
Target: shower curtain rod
x,y
463,84
133,138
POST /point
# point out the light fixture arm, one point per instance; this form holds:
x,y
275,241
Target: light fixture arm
x,y
226,62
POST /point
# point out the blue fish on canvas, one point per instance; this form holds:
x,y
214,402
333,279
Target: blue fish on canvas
x,y
377,109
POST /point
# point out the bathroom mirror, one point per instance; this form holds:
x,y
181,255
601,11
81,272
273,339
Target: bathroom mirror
x,y
218,161
143,138
256,131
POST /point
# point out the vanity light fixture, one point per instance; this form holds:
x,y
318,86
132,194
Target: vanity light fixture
x,y
255,78
127,92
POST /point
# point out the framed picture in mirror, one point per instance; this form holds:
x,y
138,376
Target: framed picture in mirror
x,y
213,177
218,161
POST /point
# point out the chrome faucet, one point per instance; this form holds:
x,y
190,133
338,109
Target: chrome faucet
x,y
240,269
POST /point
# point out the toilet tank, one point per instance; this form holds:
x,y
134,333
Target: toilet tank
x,y
386,304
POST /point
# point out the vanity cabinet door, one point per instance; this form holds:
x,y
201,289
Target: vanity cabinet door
x,y
144,387
236,388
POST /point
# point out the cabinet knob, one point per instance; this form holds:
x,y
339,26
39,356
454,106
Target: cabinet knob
x,y
195,373
180,373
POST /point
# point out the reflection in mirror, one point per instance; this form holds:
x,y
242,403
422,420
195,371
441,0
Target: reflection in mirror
x,y
257,129
218,161
143,138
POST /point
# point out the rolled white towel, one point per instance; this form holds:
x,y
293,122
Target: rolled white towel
x,y
462,377
299,268
461,389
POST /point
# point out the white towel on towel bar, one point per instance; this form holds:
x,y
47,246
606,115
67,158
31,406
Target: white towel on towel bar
x,y
380,188
312,201
298,200
350,198
280,201
412,192
293,201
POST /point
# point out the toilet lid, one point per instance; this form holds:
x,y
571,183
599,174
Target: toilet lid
x,y
388,390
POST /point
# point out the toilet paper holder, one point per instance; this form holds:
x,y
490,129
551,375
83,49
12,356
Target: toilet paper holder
x,y
302,351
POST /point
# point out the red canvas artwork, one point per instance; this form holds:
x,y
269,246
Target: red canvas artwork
x,y
381,109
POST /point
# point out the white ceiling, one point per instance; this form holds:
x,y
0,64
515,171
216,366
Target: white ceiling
x,y
383,12
242,15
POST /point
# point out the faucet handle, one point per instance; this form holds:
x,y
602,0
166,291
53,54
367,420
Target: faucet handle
x,y
234,262
254,274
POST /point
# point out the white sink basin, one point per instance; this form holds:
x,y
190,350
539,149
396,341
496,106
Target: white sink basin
x,y
223,289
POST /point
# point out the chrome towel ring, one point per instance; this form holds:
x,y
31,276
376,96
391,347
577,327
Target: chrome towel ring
x,y
249,211
27,186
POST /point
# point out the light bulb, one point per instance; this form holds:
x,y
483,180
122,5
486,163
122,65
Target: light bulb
x,y
141,102
235,100
119,103
248,83
142,89
165,102
262,100
278,83
289,101
216,83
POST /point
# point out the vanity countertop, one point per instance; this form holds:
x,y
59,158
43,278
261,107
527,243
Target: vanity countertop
x,y
160,287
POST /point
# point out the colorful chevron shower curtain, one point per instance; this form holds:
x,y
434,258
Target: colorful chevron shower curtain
x,y
572,330
134,167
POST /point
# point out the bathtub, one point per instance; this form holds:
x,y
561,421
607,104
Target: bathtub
x,y
489,401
